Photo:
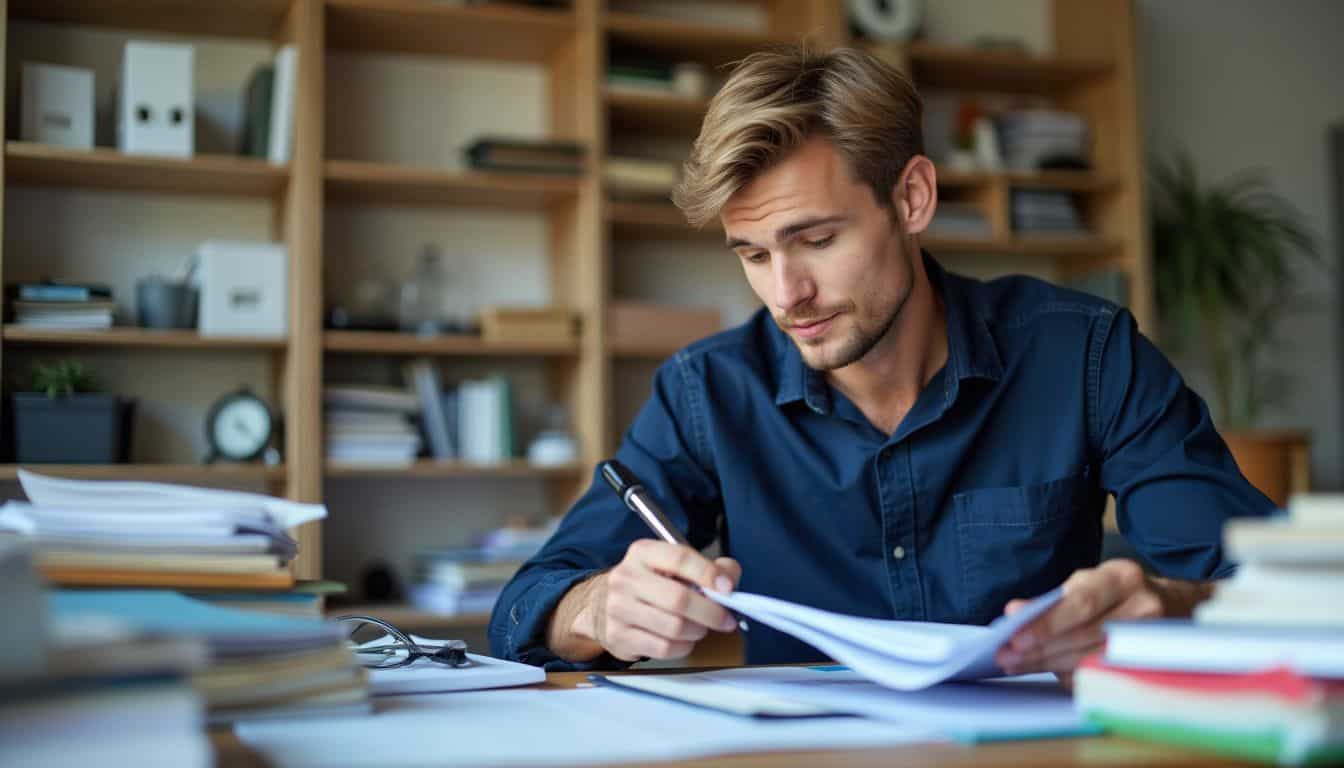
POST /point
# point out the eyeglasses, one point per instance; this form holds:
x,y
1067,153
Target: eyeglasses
x,y
379,645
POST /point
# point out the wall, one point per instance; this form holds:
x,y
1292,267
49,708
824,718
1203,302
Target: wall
x,y
1245,84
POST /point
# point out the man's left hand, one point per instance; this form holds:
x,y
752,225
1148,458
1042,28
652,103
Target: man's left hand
x,y
1072,629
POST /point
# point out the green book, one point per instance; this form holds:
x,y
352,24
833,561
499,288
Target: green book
x,y
257,113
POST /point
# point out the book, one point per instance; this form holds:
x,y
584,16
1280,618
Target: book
x,y
367,398
59,291
1275,715
517,155
640,177
1183,645
424,377
74,576
280,136
257,98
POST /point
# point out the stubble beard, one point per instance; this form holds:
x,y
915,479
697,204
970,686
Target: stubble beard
x,y
864,334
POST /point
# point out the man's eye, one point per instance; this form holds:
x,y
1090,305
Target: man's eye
x,y
759,257
821,242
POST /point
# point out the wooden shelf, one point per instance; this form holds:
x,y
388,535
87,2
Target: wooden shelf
x,y
663,114
451,469
358,182
135,337
655,220
1069,181
389,343
499,32
1051,246
643,350
707,43
236,18
39,165
943,66
195,474
406,617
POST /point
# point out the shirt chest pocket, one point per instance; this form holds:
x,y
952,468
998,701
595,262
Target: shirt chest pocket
x,y
1022,541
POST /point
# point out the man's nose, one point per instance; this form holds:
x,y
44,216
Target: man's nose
x,y
793,284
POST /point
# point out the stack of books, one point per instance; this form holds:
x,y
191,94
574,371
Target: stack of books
x,y
469,581
259,665
525,156
639,178
1045,211
1040,138
95,533
371,425
644,78
1259,674
92,692
63,306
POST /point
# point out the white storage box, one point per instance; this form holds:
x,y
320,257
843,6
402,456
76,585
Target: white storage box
x,y
155,106
57,105
244,288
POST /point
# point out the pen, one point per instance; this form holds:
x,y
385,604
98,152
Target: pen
x,y
638,499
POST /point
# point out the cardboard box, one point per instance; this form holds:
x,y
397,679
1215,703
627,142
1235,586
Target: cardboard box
x,y
542,325
636,324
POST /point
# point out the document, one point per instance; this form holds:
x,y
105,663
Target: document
x,y
1029,706
429,676
527,726
904,655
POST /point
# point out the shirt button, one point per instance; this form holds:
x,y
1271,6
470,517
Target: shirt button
x,y
898,553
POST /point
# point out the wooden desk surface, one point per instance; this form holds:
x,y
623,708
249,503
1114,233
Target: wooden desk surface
x,y
1050,753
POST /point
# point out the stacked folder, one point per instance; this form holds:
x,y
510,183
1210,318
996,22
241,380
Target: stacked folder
x,y
88,533
1259,674
259,665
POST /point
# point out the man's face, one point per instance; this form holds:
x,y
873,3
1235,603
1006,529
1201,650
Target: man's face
x,y
824,257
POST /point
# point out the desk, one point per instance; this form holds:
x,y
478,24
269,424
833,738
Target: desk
x,y
1092,751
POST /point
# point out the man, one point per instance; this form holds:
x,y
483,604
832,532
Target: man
x,y
883,438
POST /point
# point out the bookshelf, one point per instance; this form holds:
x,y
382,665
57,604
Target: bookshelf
x,y
588,237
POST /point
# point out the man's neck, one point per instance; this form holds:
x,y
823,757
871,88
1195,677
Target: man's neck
x,y
886,382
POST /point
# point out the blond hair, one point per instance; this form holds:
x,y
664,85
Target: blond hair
x,y
775,100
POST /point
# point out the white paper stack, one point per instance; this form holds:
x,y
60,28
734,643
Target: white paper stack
x,y
96,533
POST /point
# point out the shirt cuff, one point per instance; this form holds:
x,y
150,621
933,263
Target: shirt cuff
x,y
524,626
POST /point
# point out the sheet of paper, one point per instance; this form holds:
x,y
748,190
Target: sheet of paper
x,y
56,492
536,727
425,676
846,639
1030,706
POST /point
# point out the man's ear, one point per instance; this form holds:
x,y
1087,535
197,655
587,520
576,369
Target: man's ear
x,y
915,196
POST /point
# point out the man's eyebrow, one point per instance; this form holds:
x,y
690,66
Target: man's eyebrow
x,y
789,230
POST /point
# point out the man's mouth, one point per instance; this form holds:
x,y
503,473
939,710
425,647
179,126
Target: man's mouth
x,y
812,328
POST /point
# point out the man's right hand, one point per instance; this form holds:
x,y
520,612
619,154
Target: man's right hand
x,y
646,606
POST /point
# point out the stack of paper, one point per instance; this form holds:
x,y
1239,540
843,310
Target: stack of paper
x,y
91,533
259,666
470,580
371,425
92,691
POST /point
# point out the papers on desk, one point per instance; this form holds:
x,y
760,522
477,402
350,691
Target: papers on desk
x,y
539,727
904,655
428,676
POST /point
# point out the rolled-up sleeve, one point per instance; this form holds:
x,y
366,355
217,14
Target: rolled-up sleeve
x,y
1173,477
666,448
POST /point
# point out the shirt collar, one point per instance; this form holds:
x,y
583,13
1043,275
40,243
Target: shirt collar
x,y
971,351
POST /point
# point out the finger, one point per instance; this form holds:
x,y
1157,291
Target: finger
x,y
680,599
731,569
1088,595
636,613
1064,660
677,561
1014,606
1037,659
629,643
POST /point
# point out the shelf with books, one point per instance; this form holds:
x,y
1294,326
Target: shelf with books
x,y
365,183
393,343
127,336
195,474
936,65
712,44
28,164
630,109
497,31
237,18
429,468
1045,246
1069,181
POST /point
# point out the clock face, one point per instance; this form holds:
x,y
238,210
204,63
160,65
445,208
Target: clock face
x,y
241,428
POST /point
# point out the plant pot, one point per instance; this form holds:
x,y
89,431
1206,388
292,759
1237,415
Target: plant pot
x,y
1278,462
77,429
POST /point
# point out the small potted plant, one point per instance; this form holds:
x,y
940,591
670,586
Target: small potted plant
x,y
1225,278
65,421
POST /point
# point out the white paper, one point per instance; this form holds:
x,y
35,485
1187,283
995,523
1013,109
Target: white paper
x,y
60,492
538,727
1018,707
425,676
862,644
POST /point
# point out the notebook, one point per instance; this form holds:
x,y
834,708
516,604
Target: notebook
x,y
426,676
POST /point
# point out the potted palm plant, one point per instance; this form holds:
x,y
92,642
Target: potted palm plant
x,y
1225,278
65,421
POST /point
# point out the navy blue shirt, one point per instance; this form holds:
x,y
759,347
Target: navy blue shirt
x,y
992,487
